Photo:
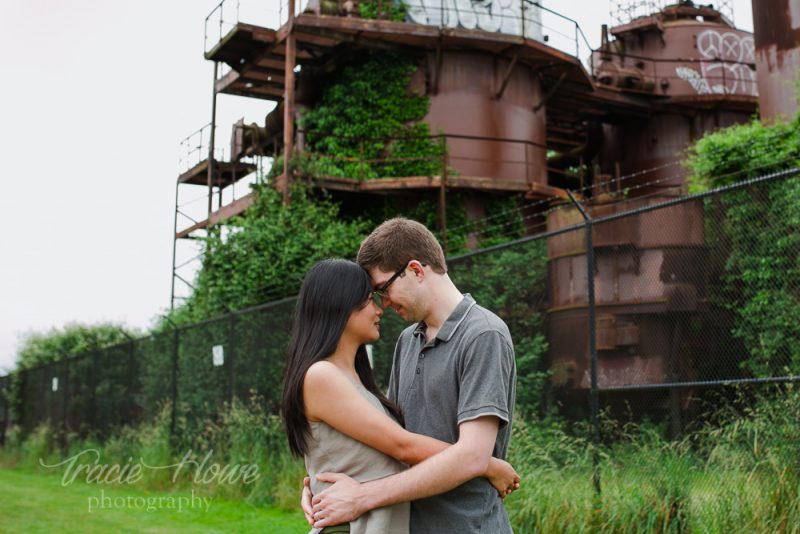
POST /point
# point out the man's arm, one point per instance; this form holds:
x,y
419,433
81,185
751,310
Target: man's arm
x,y
468,458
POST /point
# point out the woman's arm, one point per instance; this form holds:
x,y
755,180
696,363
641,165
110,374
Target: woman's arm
x,y
331,397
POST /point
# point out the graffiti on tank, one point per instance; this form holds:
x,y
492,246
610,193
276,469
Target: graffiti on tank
x,y
513,17
724,68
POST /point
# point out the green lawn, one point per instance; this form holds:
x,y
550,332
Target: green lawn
x,y
39,503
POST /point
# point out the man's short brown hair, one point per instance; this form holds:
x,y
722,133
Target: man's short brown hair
x,y
396,242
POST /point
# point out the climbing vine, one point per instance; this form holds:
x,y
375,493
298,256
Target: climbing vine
x,y
368,123
263,255
383,9
757,230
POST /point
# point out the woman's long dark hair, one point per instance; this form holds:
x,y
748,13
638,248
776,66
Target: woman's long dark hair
x,y
331,291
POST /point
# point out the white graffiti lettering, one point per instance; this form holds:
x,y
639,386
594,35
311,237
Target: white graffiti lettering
x,y
724,68
514,17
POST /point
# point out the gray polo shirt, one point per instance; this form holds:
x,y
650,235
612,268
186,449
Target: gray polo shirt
x,y
465,372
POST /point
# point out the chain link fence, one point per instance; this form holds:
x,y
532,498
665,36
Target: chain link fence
x,y
695,304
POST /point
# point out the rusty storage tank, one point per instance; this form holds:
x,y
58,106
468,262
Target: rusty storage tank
x,y
649,280
465,102
481,96
465,107
776,25
697,71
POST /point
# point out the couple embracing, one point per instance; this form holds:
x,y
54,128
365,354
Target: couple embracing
x,y
449,406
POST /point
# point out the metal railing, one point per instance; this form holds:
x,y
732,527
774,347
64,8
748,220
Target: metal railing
x,y
624,11
228,13
194,149
525,18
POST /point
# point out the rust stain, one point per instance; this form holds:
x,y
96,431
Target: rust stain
x,y
776,23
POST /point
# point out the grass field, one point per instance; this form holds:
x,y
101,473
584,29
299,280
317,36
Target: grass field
x,y
39,503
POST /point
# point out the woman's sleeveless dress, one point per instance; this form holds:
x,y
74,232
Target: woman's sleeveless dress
x,y
331,451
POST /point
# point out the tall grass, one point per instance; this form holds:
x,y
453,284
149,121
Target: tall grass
x,y
737,474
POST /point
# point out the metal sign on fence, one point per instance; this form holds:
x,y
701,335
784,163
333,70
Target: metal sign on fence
x,y
218,355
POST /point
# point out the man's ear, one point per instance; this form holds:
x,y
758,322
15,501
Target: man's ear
x,y
418,269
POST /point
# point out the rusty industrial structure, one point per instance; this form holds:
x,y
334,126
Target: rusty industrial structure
x,y
534,121
776,25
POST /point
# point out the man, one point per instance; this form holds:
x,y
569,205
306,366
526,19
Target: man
x,y
453,375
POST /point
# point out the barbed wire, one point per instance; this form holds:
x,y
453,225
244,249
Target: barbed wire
x,y
555,198
623,198
492,228
273,290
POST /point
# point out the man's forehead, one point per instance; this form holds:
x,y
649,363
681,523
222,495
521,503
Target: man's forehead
x,y
378,276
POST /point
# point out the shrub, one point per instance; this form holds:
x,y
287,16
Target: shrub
x,y
760,279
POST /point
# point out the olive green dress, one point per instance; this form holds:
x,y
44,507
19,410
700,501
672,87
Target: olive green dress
x,y
331,451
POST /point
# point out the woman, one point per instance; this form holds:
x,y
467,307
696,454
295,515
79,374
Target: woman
x,y
335,415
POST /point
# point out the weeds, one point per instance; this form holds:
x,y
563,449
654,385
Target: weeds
x,y
737,474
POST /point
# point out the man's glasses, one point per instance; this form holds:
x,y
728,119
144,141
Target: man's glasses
x,y
383,291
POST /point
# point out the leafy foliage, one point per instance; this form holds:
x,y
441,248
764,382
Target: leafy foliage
x,y
743,151
513,284
738,474
383,9
264,253
368,125
43,347
501,220
758,227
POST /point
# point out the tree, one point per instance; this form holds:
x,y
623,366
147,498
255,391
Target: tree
x,y
757,228
263,255
75,338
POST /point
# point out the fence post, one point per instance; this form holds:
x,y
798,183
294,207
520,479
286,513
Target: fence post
x,y
93,391
131,404
231,359
6,382
22,402
593,397
65,407
174,414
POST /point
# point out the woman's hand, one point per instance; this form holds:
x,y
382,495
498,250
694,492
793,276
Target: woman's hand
x,y
502,476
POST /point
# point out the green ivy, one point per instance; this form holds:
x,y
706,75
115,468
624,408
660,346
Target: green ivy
x,y
501,220
395,10
757,230
369,125
513,284
743,151
43,347
264,253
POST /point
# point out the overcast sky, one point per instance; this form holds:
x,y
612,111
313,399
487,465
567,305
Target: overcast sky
x,y
96,97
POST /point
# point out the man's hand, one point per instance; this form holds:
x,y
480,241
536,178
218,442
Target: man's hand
x,y
305,501
339,503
